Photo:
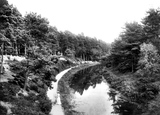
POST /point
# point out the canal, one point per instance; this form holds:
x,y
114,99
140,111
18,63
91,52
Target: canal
x,y
85,93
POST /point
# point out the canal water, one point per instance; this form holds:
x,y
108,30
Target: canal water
x,y
87,94
94,101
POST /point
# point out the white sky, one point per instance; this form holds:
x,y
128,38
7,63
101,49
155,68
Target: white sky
x,y
103,19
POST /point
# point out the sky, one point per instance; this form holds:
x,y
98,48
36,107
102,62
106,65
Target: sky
x,y
102,19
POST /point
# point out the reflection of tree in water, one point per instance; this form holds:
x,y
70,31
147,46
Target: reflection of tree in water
x,y
91,76
122,105
83,79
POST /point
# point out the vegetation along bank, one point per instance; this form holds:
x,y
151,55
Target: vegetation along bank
x,y
131,64
46,52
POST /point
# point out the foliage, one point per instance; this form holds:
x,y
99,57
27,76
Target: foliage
x,y
150,60
29,106
124,54
151,24
45,104
32,37
34,71
8,91
84,47
137,50
33,32
152,27
69,53
3,2
3,110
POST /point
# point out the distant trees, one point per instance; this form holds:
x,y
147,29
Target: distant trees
x,y
32,36
33,32
83,46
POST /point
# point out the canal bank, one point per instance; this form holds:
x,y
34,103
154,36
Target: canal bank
x,y
54,94
84,91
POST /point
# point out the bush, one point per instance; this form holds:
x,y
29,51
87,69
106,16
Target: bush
x,y
8,91
32,105
45,105
3,110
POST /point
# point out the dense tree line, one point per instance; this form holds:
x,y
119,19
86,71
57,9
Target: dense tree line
x,y
136,54
32,32
82,46
125,52
31,36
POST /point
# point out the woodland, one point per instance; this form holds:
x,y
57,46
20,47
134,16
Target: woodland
x,y
31,36
131,63
134,62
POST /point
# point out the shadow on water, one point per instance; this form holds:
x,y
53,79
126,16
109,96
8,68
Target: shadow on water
x,y
121,105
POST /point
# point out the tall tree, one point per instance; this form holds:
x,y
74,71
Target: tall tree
x,y
3,40
152,27
125,51
37,27
151,24
3,2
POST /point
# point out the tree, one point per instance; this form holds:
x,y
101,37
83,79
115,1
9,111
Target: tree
x,y
152,27
12,25
53,43
149,60
69,53
125,50
3,2
37,27
3,40
151,24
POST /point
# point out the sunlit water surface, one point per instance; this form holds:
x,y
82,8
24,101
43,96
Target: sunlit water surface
x,y
94,101
89,95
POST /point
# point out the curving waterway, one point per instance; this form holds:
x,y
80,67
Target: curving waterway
x,y
87,94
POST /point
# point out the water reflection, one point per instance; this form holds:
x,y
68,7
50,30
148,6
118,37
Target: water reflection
x,y
90,95
86,78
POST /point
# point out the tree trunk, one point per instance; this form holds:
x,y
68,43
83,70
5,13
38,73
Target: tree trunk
x,y
19,51
16,49
2,46
132,63
83,58
26,81
26,75
25,50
